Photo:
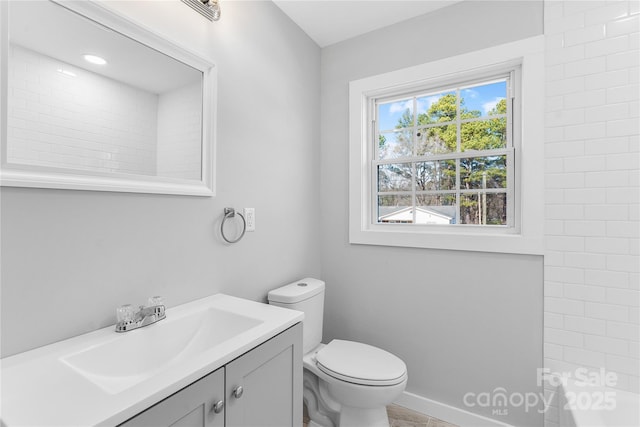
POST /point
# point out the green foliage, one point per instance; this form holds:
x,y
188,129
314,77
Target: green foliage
x,y
382,141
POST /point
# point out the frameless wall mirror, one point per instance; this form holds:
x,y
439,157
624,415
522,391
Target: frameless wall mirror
x,y
93,101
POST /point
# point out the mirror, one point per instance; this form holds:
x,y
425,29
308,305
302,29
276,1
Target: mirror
x,y
95,102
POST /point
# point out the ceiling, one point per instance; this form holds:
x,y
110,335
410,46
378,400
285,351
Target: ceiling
x,y
332,21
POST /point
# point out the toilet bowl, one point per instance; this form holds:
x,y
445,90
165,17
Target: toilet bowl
x,y
346,383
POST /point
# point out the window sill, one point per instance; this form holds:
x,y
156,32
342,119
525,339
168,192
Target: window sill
x,y
449,240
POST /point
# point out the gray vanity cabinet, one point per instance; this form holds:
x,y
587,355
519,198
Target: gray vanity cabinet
x,y
271,379
192,406
263,387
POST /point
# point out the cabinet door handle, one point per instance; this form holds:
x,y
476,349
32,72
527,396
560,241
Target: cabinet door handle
x,y
237,392
218,406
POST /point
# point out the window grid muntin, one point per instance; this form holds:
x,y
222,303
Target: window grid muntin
x,y
508,150
451,122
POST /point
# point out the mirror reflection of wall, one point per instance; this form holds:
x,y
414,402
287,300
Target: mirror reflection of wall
x,y
140,113
178,140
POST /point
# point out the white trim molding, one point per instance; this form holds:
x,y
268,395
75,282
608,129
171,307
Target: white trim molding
x,y
526,237
445,412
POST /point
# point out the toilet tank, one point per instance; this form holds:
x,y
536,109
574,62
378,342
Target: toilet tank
x,y
306,295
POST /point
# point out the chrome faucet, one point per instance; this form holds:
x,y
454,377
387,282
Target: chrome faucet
x,y
129,320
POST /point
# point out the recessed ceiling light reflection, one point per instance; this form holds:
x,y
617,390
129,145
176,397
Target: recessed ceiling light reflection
x,y
94,59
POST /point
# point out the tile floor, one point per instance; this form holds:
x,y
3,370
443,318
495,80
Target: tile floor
x,y
403,417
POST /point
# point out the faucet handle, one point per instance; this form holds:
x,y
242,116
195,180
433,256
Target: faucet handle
x,y
125,313
155,300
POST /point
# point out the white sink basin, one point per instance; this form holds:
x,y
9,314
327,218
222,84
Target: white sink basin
x,y
103,378
131,357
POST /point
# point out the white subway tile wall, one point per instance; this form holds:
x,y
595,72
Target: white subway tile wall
x,y
179,132
592,158
85,122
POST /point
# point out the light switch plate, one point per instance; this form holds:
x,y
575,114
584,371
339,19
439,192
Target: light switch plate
x,y
250,218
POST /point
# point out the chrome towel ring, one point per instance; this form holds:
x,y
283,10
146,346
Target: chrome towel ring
x,y
230,213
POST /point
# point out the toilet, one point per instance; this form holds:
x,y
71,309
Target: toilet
x,y
346,383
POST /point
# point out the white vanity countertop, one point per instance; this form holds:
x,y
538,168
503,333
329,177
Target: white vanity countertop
x,y
41,388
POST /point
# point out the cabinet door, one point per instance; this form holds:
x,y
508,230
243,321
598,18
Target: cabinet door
x,y
271,379
193,406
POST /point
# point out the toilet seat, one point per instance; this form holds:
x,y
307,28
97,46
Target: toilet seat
x,y
359,363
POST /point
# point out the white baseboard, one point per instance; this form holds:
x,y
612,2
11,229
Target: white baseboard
x,y
446,412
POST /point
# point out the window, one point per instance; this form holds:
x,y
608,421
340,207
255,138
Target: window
x,y
444,155
441,157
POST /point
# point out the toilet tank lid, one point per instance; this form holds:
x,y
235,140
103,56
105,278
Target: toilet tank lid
x,y
297,291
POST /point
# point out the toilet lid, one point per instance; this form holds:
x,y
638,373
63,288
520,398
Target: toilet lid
x,y
360,363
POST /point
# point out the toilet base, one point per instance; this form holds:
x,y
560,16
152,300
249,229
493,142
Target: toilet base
x,y
324,411
356,417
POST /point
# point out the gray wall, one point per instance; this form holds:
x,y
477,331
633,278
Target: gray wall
x,y
70,257
462,321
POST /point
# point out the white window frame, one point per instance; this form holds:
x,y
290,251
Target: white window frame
x,y
525,233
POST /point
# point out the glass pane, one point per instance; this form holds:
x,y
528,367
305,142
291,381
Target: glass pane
x,y
436,209
485,209
484,100
437,175
141,114
396,144
496,209
438,108
483,134
483,172
469,209
436,140
395,115
395,177
395,209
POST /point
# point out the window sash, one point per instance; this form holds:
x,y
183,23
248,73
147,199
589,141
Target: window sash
x,y
457,191
508,151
